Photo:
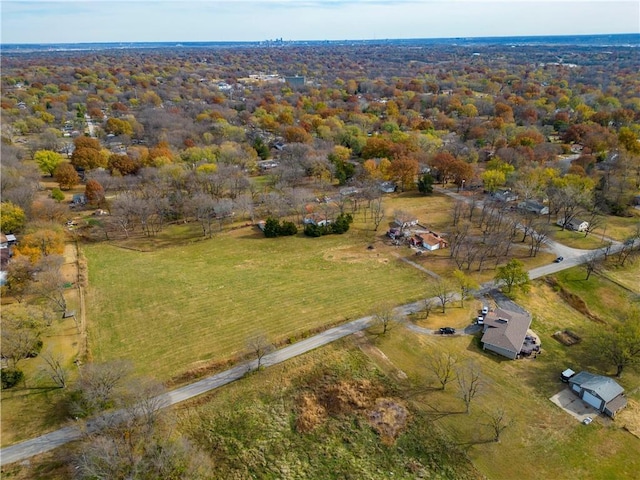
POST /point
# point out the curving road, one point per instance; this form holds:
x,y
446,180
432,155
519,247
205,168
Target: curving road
x,y
49,441
52,440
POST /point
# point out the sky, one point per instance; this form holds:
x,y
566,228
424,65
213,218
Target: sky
x,y
75,21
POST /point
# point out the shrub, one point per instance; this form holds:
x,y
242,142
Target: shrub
x,y
311,230
11,377
57,194
35,349
287,229
273,228
342,223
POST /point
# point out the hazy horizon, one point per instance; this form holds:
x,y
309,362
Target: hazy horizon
x,y
74,21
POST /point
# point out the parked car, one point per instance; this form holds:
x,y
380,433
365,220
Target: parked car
x,y
566,375
485,310
447,331
558,260
480,320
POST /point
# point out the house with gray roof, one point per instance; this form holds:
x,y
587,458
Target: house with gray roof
x,y
602,393
504,332
531,206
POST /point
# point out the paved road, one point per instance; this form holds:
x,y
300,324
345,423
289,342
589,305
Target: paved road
x,y
49,441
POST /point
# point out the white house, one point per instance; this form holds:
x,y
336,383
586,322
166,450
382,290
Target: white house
x,y
575,224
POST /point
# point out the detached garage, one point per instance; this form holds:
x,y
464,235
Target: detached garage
x,y
602,393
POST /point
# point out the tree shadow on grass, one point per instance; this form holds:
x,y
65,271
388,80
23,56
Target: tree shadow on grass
x,y
476,442
21,392
435,414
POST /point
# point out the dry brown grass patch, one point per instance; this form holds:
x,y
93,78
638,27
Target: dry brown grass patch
x,y
566,337
629,418
348,254
389,418
311,413
349,396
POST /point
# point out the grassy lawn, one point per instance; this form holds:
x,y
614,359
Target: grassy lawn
x,y
627,276
171,309
34,407
603,297
620,228
577,239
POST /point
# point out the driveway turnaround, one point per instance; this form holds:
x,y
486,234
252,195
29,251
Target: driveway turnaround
x,y
573,405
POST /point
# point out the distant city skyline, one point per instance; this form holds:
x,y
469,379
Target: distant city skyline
x,y
74,21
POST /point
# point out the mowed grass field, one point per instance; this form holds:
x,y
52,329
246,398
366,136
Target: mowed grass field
x,y
172,309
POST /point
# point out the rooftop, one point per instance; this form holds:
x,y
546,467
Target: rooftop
x,y
606,388
506,329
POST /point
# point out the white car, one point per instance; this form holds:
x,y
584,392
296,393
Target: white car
x,y
480,320
485,310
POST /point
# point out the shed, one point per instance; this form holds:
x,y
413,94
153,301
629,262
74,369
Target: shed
x,y
602,393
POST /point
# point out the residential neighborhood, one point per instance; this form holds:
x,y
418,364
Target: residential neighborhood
x,y
363,258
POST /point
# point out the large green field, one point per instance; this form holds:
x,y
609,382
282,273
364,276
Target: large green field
x,y
171,309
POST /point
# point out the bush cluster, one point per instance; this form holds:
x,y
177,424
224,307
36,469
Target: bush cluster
x,y
340,226
273,228
11,377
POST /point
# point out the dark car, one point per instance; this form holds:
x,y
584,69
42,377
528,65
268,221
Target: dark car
x,y
558,260
447,331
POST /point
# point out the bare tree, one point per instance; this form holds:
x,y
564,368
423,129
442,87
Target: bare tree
x,y
98,387
202,207
429,305
50,283
137,441
377,213
223,210
54,368
458,237
143,401
20,334
498,422
593,262
538,236
443,291
470,383
259,346
244,204
443,366
123,212
527,220
385,315
457,211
